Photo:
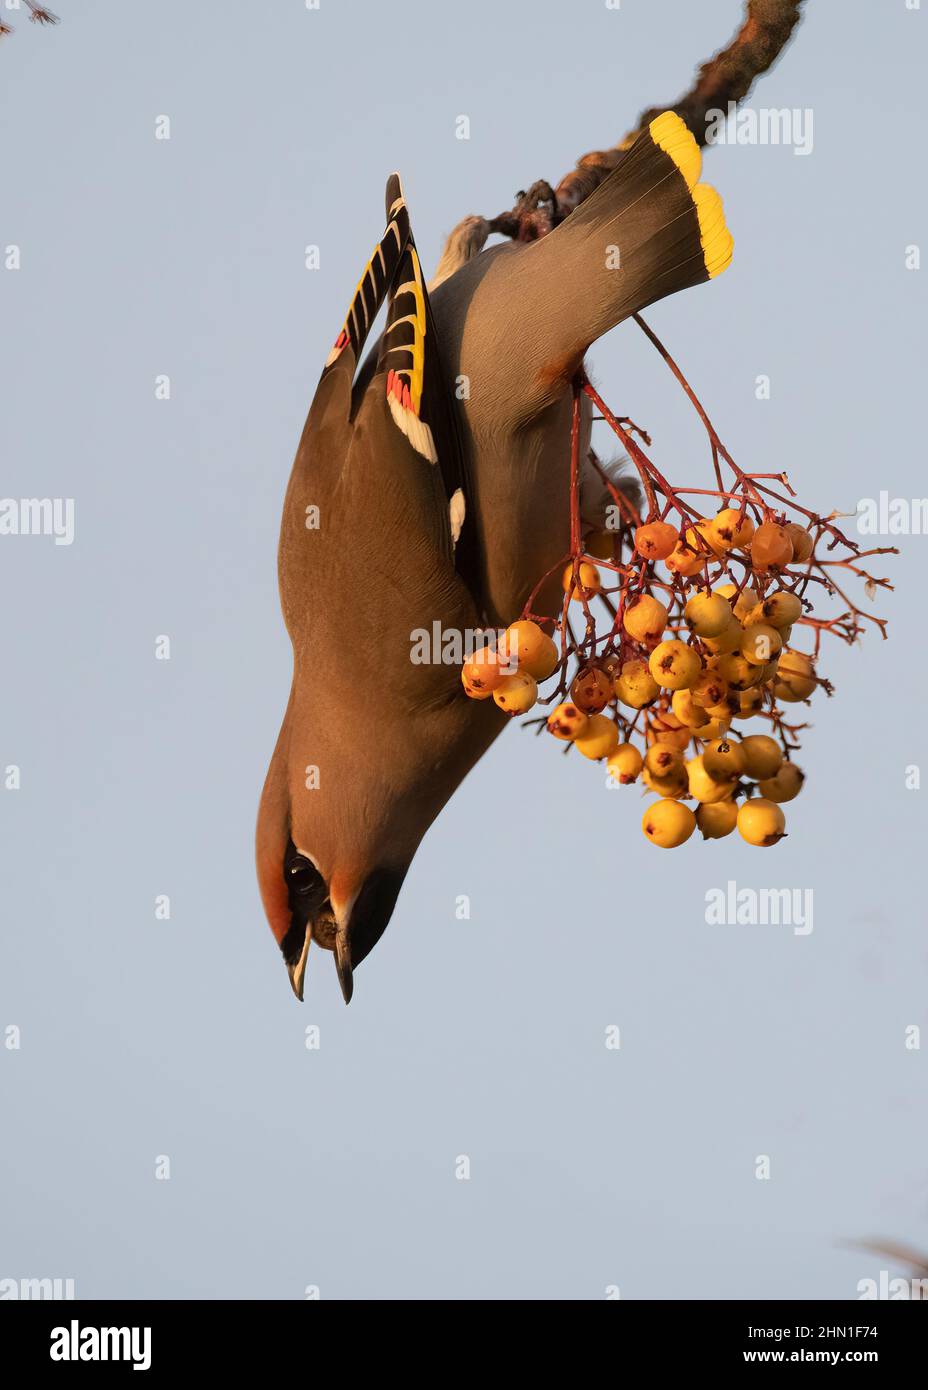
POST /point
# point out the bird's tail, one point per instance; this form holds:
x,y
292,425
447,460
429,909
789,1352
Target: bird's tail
x,y
654,226
650,229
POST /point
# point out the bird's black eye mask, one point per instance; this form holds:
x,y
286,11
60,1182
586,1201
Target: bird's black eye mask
x,y
307,895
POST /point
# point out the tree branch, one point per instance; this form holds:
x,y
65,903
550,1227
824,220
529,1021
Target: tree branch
x,y
728,76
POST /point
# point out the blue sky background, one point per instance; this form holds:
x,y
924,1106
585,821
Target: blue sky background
x,y
484,1038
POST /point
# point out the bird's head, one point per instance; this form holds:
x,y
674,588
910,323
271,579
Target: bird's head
x,y
341,815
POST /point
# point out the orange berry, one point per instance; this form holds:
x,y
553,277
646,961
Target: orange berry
x,y
531,649
684,560
803,542
591,690
473,692
601,544
656,540
482,671
771,545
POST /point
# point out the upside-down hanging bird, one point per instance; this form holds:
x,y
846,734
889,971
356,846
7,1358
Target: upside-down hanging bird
x,y
436,473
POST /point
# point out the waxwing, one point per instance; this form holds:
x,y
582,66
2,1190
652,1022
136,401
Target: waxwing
x,y
429,493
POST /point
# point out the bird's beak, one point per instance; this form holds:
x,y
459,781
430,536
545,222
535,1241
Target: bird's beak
x,y
344,906
343,963
297,971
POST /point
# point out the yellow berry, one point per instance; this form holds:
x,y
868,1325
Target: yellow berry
x,y
795,677
761,822
645,619
673,785
674,665
599,738
567,721
729,640
779,609
665,727
723,760
588,582
687,711
716,819
738,671
709,688
746,600
668,823
625,763
663,761
701,538
636,687
729,530
751,702
704,788
717,727
763,756
785,785
760,644
516,694
707,614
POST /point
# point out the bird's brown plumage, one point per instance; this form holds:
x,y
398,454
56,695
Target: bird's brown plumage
x,y
464,403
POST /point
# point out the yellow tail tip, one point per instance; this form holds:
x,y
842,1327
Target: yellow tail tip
x,y
674,137
714,235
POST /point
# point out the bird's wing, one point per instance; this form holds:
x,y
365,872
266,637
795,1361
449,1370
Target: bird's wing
x,y
417,389
405,366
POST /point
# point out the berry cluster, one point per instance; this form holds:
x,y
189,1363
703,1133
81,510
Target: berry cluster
x,y
704,614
